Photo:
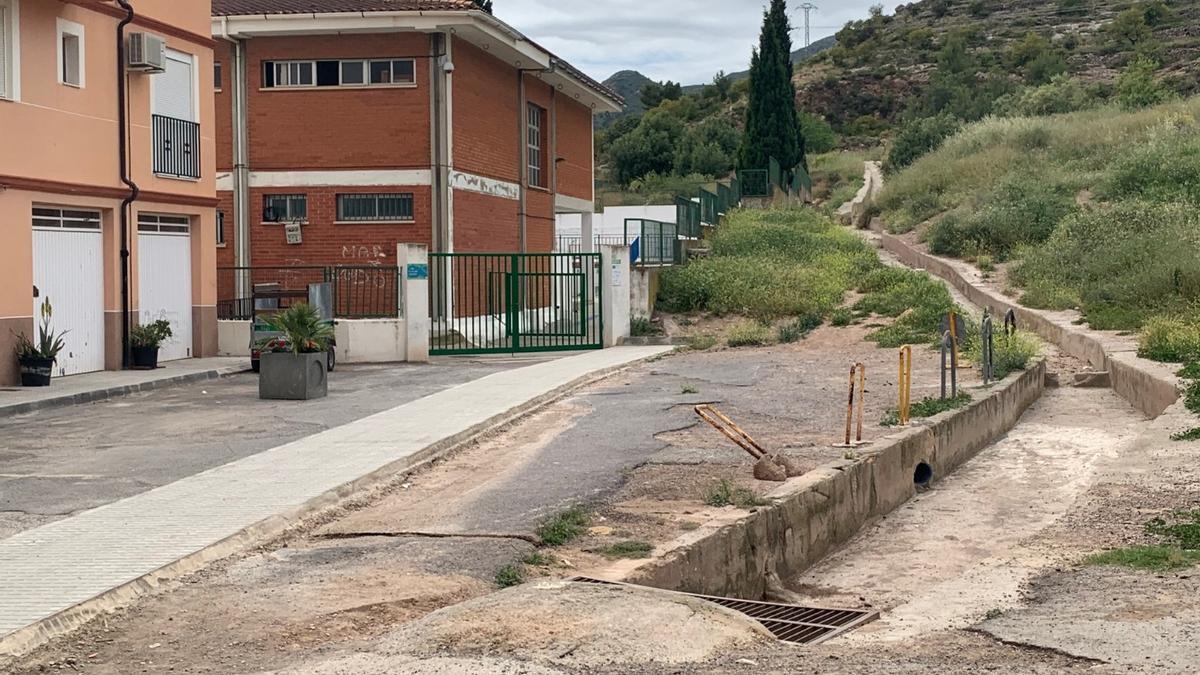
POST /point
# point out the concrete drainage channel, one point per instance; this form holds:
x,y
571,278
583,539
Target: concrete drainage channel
x,y
744,555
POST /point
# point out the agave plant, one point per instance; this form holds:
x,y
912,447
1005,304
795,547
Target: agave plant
x,y
303,329
49,343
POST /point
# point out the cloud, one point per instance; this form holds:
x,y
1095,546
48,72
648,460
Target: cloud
x,y
681,40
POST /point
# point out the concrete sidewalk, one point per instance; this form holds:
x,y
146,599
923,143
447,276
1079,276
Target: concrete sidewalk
x,y
128,545
108,384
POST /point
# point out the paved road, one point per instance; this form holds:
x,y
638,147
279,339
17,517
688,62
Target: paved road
x,y
54,463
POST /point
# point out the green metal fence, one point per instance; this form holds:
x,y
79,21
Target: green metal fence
x,y
776,173
484,303
801,181
657,243
709,213
687,217
755,183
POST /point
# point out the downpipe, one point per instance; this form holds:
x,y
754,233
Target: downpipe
x,y
134,190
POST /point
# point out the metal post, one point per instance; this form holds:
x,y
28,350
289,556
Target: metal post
x,y
988,349
850,407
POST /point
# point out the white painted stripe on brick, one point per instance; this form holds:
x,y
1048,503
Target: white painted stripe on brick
x,y
54,567
301,179
460,180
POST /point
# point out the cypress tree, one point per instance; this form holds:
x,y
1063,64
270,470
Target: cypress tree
x,y
772,122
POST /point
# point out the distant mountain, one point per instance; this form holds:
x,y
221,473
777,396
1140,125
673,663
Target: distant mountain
x,y
799,56
629,84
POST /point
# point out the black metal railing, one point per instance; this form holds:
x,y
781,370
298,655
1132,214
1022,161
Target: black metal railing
x,y
359,291
176,147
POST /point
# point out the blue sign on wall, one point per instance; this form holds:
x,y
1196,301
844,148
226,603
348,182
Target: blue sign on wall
x,y
418,271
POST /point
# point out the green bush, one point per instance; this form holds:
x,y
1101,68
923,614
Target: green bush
x,y
1169,339
1012,354
1062,94
918,301
799,328
749,333
918,138
1018,212
841,317
1166,169
1126,263
1137,86
563,527
770,264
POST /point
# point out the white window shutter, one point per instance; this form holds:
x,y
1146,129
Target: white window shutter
x,y
174,90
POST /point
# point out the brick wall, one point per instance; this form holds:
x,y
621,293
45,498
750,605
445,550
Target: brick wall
x,y
339,127
223,54
486,136
574,148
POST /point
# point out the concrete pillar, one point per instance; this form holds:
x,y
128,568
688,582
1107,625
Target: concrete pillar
x,y
587,241
413,263
614,280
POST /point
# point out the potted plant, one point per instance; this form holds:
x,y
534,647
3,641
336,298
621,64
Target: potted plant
x,y
293,363
145,340
37,360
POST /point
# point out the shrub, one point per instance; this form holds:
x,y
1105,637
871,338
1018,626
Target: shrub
x,y
628,549
1166,169
510,575
563,527
1012,354
749,333
1169,339
985,263
640,326
799,328
918,301
918,138
1137,86
1062,94
841,317
770,264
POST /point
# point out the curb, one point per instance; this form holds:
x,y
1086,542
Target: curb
x,y
117,392
1149,386
25,640
815,514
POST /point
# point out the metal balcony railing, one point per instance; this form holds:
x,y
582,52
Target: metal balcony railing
x,y
176,147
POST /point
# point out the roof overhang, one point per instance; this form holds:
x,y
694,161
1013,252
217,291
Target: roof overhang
x,y
478,28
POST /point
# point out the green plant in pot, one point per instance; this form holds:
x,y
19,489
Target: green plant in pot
x,y
293,362
37,359
145,340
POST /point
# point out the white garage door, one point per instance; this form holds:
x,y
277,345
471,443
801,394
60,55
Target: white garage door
x,y
68,269
165,279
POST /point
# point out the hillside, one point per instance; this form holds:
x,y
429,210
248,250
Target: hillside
x,y
1094,210
882,63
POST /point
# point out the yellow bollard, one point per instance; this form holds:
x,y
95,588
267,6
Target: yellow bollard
x,y
905,384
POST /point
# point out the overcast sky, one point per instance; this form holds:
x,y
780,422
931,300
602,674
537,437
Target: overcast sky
x,y
682,40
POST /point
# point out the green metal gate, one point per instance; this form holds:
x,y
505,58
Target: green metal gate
x,y
489,303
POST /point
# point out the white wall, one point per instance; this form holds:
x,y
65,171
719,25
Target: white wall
x,y
358,340
612,221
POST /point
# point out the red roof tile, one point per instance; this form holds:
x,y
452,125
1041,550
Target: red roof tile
x,y
252,7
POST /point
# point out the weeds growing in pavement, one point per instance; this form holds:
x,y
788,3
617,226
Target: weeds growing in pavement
x,y
510,575
724,493
799,328
1180,547
563,527
537,559
927,407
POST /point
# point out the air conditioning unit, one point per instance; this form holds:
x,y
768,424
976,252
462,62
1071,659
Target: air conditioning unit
x,y
147,53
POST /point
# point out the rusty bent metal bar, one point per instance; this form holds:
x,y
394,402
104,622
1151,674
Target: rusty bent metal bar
x,y
860,370
905,384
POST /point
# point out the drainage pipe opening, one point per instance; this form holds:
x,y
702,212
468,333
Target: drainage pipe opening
x,y
923,475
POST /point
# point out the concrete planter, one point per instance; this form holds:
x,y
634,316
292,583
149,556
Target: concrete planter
x,y
293,377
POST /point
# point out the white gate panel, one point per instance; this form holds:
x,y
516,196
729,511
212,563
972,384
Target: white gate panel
x,y
165,288
68,268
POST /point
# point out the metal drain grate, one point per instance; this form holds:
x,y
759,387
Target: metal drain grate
x,y
789,623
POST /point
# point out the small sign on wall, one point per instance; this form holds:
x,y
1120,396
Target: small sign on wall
x,y
293,234
418,271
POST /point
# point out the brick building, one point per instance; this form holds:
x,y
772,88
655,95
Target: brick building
x,y
375,122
